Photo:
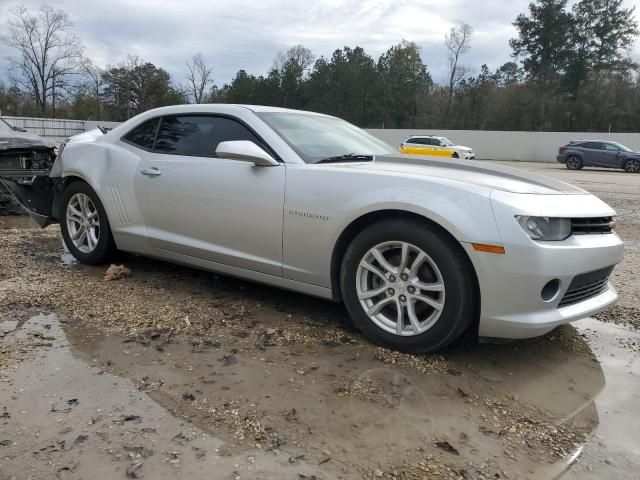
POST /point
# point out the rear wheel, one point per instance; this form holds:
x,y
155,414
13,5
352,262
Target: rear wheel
x,y
408,285
85,227
632,165
573,163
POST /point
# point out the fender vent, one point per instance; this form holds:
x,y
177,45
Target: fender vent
x,y
118,205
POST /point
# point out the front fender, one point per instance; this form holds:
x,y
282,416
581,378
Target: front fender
x,y
321,202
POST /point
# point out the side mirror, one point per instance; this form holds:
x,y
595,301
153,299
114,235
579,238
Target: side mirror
x,y
20,129
247,151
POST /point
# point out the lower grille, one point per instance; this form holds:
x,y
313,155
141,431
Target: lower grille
x,y
585,286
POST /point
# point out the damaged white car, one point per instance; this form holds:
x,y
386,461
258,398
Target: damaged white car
x,y
418,249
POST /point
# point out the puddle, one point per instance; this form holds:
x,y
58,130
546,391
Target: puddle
x,y
613,452
64,417
95,405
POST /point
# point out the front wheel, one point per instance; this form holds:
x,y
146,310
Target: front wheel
x,y
85,227
632,166
407,285
455,155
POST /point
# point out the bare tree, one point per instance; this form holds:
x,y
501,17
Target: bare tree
x,y
458,42
199,79
48,53
299,54
93,75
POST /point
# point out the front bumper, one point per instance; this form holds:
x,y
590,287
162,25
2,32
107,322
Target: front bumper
x,y
511,284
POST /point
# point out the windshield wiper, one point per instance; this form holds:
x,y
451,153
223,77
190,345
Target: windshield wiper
x,y
349,157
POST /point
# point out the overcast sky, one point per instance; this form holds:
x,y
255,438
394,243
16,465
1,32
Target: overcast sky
x,y
235,34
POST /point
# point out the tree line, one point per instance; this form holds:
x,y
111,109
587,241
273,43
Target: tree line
x,y
570,70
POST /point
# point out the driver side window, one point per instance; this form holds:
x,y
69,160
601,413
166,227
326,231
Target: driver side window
x,y
199,135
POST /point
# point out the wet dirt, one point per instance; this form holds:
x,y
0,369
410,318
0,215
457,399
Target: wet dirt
x,y
173,372
91,404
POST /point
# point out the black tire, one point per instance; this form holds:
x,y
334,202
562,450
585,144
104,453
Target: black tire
x,y
573,162
632,166
455,155
461,302
105,246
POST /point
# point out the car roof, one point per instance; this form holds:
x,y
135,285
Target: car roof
x,y
422,136
600,141
212,107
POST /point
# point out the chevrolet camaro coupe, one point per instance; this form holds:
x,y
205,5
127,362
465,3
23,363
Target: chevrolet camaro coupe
x,y
419,249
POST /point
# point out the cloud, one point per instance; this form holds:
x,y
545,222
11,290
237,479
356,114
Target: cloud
x,y
235,34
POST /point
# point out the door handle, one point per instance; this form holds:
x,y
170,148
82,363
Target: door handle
x,y
151,172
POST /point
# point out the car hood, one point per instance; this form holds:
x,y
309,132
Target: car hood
x,y
462,147
10,140
87,137
476,173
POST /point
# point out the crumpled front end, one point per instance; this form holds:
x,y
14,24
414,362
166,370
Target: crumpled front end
x,y
25,185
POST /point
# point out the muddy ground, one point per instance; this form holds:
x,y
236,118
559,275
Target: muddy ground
x,y
172,372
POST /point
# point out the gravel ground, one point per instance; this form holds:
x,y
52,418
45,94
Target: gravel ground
x,y
175,371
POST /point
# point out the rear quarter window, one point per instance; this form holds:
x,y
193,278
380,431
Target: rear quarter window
x,y
144,135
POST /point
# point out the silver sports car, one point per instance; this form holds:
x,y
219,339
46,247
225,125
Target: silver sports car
x,y
418,249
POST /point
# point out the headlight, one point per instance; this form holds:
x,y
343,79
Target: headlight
x,y
545,228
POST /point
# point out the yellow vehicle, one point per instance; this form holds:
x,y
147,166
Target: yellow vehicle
x,y
435,147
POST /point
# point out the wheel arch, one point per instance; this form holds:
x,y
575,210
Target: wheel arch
x,y
357,225
57,208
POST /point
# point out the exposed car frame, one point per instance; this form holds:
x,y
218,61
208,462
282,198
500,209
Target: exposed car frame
x,y
23,157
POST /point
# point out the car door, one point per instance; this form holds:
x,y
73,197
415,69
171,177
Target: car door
x,y
592,152
440,148
612,156
417,146
201,206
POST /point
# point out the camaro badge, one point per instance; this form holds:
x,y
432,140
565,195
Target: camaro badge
x,y
314,216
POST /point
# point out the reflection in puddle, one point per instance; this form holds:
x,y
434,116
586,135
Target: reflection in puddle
x,y
613,452
299,409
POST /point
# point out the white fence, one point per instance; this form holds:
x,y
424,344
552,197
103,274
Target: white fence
x,y
488,145
522,146
48,127
56,127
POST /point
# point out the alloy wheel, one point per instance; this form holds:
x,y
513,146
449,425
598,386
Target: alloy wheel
x,y
83,222
573,163
632,166
400,288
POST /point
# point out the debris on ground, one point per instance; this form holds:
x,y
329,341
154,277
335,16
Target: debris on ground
x,y
116,272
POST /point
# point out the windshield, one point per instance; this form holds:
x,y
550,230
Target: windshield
x,y
315,137
447,142
5,127
622,147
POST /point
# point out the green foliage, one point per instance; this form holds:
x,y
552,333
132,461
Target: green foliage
x,y
136,86
570,71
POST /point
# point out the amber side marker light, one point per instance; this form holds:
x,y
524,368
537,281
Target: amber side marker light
x,y
481,247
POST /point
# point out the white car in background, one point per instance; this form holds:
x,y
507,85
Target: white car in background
x,y
434,146
418,249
